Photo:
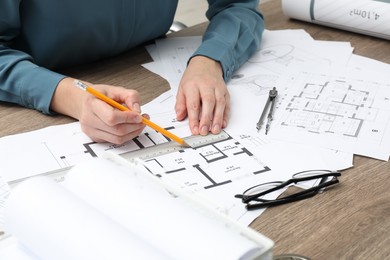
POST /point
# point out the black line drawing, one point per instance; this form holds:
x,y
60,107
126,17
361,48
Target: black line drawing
x,y
211,165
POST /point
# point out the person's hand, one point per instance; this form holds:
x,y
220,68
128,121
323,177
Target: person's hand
x,y
203,97
99,120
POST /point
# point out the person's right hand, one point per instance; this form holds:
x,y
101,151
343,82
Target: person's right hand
x,y
99,120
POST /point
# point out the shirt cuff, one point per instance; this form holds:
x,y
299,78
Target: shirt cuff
x,y
38,87
218,51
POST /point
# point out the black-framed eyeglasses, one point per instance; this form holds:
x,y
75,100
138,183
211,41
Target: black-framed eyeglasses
x,y
252,197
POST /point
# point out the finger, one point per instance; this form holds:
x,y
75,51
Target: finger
x,y
219,112
136,108
111,125
114,123
111,116
146,116
208,106
226,114
180,106
115,134
193,110
99,135
129,97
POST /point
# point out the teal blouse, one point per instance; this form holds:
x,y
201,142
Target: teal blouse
x,y
39,36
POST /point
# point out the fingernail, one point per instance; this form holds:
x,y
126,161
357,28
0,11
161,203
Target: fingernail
x,y
216,129
136,108
224,123
146,116
195,130
204,130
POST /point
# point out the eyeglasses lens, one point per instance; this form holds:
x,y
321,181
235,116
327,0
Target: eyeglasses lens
x,y
262,188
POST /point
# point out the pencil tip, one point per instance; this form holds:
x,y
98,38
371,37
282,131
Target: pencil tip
x,y
185,145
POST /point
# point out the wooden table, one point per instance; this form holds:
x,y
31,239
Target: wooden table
x,y
350,221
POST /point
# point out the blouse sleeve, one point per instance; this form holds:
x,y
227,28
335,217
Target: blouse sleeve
x,y
233,34
21,81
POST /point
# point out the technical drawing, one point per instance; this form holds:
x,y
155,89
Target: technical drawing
x,y
257,85
337,113
279,53
286,55
219,162
336,106
208,166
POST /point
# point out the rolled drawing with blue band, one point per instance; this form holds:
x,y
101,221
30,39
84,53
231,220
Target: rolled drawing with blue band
x,y
371,17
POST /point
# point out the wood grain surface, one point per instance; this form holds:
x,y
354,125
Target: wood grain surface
x,y
349,221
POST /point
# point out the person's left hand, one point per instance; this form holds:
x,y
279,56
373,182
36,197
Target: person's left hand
x,y
203,97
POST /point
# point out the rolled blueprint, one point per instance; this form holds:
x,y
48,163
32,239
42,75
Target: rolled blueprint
x,y
371,17
103,210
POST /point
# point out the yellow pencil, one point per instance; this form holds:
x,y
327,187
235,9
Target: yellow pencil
x,y
121,107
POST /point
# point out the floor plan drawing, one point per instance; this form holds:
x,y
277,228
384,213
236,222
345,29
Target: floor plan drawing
x,y
43,152
342,111
347,109
208,166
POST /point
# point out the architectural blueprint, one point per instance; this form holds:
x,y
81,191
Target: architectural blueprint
x,y
320,101
348,112
224,167
208,166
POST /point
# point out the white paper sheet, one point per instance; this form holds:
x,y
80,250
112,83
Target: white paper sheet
x,y
104,210
54,224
